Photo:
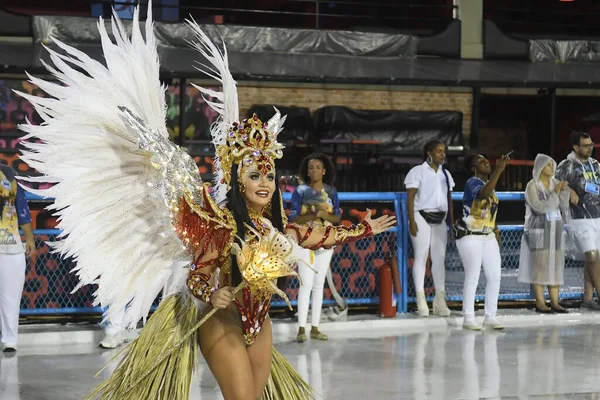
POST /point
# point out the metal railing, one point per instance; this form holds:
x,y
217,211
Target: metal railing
x,y
510,288
354,266
425,15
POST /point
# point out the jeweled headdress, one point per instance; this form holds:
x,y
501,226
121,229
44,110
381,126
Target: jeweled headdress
x,y
247,142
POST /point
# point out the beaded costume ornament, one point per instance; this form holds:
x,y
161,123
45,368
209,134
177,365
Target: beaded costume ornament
x,y
249,144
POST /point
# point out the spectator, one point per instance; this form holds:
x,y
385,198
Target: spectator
x,y
478,240
14,212
429,208
314,203
582,173
542,259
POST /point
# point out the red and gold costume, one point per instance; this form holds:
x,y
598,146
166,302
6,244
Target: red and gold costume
x,y
250,145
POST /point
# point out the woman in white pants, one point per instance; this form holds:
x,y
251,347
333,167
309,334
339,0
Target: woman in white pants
x,y
314,203
478,240
14,212
429,208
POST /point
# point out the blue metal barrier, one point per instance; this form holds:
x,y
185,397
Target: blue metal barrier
x,y
355,266
510,288
357,278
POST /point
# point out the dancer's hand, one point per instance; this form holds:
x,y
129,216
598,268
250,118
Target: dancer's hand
x,y
222,298
380,224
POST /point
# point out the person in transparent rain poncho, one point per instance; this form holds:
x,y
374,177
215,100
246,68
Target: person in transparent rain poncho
x,y
543,243
582,172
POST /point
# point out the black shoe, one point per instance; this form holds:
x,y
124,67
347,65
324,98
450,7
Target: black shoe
x,y
560,310
548,311
592,305
9,349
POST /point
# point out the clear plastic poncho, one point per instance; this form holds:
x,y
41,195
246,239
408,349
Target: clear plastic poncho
x,y
579,174
542,256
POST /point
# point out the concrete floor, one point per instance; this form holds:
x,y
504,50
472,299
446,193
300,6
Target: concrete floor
x,y
542,362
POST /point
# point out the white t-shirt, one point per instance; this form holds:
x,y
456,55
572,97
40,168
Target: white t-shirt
x,y
432,189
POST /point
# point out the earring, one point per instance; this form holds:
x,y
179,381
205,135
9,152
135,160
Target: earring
x,y
429,160
242,188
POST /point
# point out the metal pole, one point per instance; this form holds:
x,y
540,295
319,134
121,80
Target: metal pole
x,y
317,21
552,93
475,111
403,261
401,305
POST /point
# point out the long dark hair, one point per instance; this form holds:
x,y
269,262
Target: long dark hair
x,y
329,176
237,205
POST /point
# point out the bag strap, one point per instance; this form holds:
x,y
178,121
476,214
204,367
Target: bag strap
x,y
449,199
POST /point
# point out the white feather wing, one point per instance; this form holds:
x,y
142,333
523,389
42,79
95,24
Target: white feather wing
x,y
118,177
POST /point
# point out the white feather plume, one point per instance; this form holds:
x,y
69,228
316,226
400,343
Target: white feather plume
x,y
227,101
275,124
111,192
226,104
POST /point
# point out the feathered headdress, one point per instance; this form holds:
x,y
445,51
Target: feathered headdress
x,y
249,142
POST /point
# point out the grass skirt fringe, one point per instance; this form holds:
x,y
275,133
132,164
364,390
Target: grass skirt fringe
x,y
142,375
285,383
137,377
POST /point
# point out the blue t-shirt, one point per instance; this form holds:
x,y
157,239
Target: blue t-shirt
x,y
306,200
479,215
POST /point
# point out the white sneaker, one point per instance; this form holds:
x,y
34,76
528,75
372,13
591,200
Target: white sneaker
x,y
470,324
112,341
492,322
9,348
129,335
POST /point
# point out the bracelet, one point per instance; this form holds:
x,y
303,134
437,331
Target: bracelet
x,y
342,234
198,283
352,233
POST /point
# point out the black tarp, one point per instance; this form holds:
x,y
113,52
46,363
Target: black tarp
x,y
247,39
499,45
311,56
551,50
394,131
15,58
299,123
